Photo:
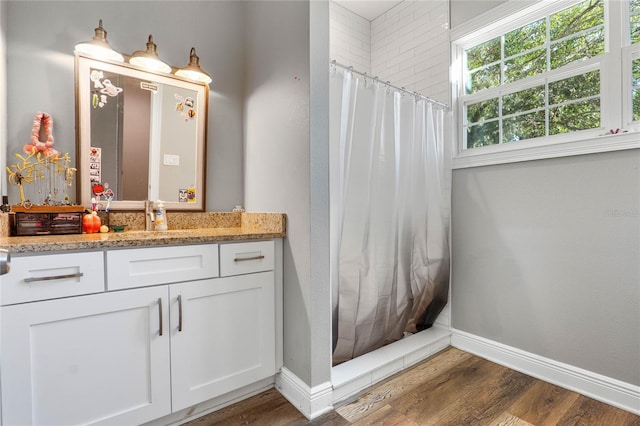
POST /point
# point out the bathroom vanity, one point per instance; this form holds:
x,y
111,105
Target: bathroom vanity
x,y
136,327
127,328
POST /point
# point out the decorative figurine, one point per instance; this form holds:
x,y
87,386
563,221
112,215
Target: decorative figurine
x,y
43,166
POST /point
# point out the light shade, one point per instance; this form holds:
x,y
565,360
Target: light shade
x,y
148,59
98,46
193,70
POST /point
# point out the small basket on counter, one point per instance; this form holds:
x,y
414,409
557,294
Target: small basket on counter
x,y
46,220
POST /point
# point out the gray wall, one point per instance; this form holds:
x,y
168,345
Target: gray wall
x,y
40,41
545,253
545,259
3,96
320,288
281,156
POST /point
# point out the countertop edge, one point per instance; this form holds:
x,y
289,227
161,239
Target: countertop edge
x,y
130,243
251,230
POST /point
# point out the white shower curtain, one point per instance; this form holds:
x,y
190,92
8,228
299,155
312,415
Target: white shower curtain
x,y
389,242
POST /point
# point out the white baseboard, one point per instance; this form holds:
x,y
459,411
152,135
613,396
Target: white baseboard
x,y
312,402
602,388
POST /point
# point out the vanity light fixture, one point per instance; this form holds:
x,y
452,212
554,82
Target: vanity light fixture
x,y
148,59
99,47
193,70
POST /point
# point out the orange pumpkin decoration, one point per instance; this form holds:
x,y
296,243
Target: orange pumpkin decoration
x,y
91,223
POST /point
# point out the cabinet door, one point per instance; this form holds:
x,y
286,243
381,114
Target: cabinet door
x,y
222,336
96,359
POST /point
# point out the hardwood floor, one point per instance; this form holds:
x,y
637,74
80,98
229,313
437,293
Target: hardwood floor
x,y
450,388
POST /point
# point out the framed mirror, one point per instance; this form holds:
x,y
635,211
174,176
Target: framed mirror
x,y
141,136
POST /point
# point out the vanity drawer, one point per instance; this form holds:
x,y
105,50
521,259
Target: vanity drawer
x,y
246,258
160,265
51,276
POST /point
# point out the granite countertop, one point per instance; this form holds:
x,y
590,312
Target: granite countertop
x,y
186,228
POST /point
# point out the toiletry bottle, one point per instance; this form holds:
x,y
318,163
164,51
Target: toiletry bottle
x,y
161,218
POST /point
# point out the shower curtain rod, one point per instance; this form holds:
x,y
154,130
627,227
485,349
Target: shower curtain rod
x,y
400,89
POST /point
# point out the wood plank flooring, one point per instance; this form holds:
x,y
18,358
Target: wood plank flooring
x,y
450,388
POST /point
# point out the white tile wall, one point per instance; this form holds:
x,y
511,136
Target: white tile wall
x,y
350,38
410,47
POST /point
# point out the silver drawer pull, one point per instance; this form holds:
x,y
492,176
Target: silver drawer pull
x,y
242,259
179,312
160,315
53,277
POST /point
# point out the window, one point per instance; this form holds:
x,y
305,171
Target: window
x,y
547,75
634,39
635,67
561,106
634,21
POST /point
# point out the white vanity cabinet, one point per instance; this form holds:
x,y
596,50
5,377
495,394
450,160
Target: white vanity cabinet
x,y
225,337
95,359
222,330
163,332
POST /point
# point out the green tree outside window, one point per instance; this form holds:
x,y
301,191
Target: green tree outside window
x,y
547,44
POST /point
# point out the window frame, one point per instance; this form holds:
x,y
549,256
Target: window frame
x,y
614,66
630,53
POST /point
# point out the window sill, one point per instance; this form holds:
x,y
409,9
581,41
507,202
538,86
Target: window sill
x,y
531,150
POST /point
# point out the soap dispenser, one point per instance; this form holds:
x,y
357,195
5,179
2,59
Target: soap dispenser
x,y
161,218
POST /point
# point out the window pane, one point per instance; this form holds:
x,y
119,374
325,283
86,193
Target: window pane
x,y
523,100
574,49
524,66
635,82
577,18
572,88
484,78
481,111
483,134
483,54
524,126
525,38
572,117
635,29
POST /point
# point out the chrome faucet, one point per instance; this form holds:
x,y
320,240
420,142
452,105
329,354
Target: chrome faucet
x,y
149,217
5,261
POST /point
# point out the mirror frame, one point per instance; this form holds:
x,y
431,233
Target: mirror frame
x,y
83,65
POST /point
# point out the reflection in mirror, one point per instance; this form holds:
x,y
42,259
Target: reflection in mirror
x,y
141,136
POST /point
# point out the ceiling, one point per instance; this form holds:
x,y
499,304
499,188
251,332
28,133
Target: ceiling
x,y
368,9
